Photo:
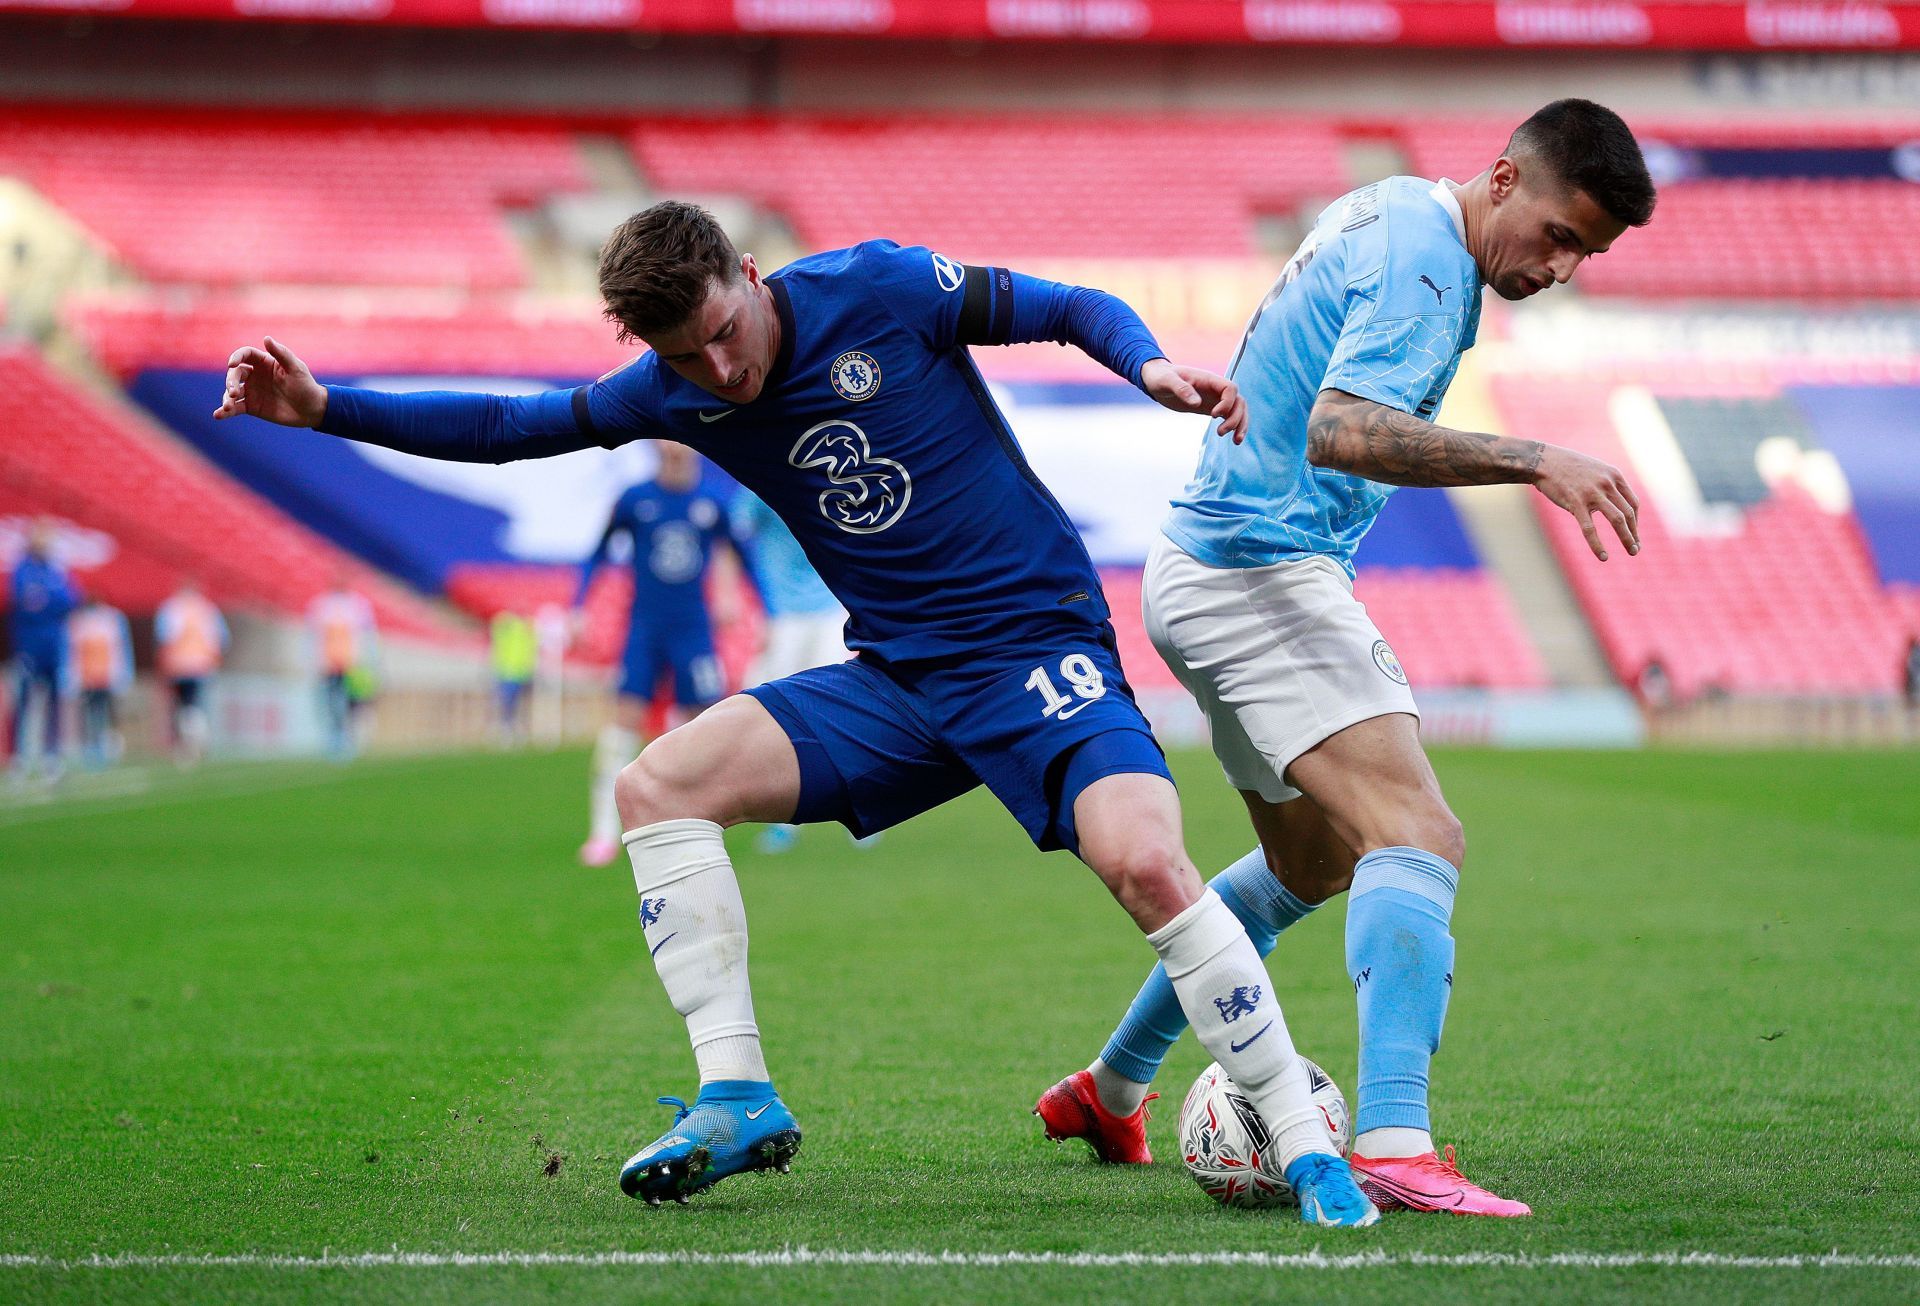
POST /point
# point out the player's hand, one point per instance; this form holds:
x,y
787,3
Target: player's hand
x,y
270,383
1585,486
1194,390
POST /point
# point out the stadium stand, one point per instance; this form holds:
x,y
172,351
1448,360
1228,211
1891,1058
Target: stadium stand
x,y
216,198
348,331
1005,187
1778,595
1777,237
92,460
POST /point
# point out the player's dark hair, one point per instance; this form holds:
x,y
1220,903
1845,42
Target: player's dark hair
x,y
1587,146
659,265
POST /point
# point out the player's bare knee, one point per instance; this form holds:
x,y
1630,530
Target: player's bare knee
x,y
1440,833
643,795
1152,882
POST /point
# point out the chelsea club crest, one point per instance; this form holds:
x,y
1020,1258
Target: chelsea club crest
x,y
855,376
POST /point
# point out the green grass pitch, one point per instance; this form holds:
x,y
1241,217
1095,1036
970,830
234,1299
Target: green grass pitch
x,y
301,1010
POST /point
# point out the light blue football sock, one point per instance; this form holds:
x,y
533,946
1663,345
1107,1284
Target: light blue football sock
x,y
1154,1022
1400,958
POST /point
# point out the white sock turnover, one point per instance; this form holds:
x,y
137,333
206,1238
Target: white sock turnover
x,y
1224,989
696,929
1117,1093
1393,1141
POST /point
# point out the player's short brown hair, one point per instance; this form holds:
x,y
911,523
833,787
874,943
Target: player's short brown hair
x,y
659,266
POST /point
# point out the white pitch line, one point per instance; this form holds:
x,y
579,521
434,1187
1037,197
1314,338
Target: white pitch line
x,y
802,1257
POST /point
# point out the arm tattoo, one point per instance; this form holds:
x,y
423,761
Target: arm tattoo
x,y
1383,444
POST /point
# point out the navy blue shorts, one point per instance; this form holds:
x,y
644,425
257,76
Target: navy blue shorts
x,y
878,747
685,651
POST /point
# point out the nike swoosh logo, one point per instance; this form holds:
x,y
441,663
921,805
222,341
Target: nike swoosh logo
x,y
714,417
655,950
755,1115
1242,1047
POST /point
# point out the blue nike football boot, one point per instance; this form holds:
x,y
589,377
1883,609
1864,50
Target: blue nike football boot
x,y
1327,1193
734,1125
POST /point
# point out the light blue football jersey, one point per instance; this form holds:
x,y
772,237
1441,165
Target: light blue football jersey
x,y
789,585
1380,300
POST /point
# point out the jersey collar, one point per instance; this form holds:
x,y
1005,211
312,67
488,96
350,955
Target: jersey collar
x,y
783,360
1443,196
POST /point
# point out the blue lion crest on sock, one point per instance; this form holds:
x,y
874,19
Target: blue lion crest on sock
x,y
1238,1003
650,910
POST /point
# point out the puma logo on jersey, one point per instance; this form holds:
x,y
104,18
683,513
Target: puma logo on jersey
x,y
1439,292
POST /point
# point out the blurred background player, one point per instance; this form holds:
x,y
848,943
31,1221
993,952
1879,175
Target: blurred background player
x,y
671,523
341,626
192,639
516,653
1249,598
100,648
805,623
41,598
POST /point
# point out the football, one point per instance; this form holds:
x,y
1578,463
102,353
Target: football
x,y
1225,1143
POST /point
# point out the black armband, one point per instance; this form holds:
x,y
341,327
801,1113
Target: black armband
x,y
986,308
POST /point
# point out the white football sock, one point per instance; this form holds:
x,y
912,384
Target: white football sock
x,y
615,747
1117,1093
1224,989
696,929
1391,1141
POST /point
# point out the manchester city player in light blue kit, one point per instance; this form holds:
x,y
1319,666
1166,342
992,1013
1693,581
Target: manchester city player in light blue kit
x,y
840,391
1249,598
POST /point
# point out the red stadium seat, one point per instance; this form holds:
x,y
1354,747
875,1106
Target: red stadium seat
x,y
96,461
1788,602
1726,239
208,198
1005,187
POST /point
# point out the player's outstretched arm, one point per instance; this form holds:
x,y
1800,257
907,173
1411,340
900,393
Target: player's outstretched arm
x,y
271,383
1382,443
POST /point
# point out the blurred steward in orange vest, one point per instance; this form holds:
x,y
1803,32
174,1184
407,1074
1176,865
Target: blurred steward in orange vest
x,y
100,660
192,638
341,624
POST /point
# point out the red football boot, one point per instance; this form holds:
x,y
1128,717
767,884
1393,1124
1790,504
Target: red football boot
x,y
1071,1109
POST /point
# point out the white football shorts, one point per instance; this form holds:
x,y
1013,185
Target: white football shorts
x,y
798,641
1280,657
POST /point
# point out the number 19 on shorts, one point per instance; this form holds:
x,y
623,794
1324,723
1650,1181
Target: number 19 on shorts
x,y
1082,677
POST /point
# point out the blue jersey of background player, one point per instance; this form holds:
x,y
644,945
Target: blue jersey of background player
x,y
40,599
671,523
840,391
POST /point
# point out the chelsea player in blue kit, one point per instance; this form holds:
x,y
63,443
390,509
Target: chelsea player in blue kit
x,y
674,524
1249,598
841,392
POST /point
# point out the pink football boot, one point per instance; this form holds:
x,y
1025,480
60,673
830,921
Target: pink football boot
x,y
1428,1183
1071,1109
599,852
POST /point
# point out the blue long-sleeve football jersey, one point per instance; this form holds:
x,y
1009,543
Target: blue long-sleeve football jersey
x,y
41,599
673,534
874,439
